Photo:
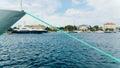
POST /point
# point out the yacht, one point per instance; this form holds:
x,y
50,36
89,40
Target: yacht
x,y
27,30
8,18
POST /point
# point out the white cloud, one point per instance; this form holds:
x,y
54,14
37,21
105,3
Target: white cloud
x,y
75,2
71,12
106,7
40,8
103,11
106,10
7,4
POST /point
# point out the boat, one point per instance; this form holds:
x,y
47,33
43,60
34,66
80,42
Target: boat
x,y
8,18
78,31
72,32
26,30
110,32
99,31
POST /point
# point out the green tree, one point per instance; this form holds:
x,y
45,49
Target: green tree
x,y
90,28
50,29
69,28
61,28
96,28
75,27
47,28
109,29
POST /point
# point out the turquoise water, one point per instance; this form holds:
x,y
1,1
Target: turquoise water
x,y
56,50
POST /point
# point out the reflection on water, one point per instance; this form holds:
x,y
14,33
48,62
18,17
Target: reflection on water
x,y
55,50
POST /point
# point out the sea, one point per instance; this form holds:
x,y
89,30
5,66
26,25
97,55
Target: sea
x,y
56,50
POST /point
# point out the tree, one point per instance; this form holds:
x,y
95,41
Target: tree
x,y
90,28
61,28
75,27
50,29
69,28
109,29
96,28
47,28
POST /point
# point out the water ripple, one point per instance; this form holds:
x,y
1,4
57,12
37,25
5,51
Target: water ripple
x,y
55,50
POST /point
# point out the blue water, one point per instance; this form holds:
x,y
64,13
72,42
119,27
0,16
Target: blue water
x,y
56,50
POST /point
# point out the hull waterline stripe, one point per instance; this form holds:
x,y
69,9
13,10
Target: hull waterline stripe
x,y
75,38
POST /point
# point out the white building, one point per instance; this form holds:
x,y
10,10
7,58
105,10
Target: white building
x,y
83,28
109,26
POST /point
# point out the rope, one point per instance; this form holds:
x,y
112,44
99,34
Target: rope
x,y
75,38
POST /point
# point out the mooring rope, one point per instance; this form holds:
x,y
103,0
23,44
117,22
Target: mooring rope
x,y
75,38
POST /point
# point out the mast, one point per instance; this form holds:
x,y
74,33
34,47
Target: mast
x,y
21,5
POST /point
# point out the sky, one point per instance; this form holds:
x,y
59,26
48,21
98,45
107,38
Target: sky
x,y
64,12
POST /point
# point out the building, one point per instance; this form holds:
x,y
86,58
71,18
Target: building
x,y
39,26
109,27
83,28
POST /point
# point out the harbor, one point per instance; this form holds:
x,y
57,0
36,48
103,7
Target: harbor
x,y
59,34
38,29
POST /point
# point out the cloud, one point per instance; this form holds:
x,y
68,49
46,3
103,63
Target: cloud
x,y
7,4
40,8
105,10
71,12
102,11
75,2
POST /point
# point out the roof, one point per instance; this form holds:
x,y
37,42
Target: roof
x,y
35,25
83,26
109,24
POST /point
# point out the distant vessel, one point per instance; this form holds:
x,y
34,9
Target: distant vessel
x,y
27,30
110,32
99,31
8,18
72,32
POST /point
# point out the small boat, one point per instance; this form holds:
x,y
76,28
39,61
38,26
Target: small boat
x,y
110,32
99,31
78,31
72,32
